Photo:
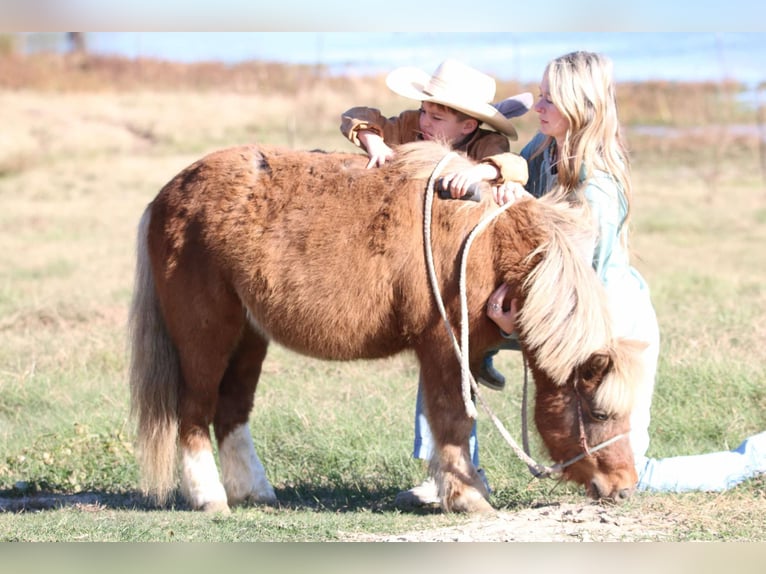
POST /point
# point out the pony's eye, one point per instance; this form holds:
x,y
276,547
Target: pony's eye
x,y
599,415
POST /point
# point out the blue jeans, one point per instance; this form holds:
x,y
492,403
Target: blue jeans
x,y
710,472
424,442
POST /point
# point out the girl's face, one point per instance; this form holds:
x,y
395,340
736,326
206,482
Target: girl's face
x,y
439,124
552,122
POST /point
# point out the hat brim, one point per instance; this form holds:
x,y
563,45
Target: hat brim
x,y
515,106
410,82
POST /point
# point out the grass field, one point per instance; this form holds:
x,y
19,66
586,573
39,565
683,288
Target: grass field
x,y
77,168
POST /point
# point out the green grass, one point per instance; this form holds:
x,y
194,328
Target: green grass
x,y
89,524
335,437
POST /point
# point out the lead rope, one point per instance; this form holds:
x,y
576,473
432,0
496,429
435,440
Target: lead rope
x,y
524,415
467,381
470,408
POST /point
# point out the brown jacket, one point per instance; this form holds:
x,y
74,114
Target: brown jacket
x,y
482,145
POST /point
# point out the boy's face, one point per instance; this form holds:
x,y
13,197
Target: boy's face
x,y
438,123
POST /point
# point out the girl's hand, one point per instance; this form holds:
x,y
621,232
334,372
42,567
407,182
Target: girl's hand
x,y
506,320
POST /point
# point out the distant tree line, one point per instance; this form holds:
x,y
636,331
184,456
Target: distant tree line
x,y
34,42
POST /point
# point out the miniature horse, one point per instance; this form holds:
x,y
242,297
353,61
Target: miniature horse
x,y
317,253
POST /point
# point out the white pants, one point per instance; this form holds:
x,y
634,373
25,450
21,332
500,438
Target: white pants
x,y
715,471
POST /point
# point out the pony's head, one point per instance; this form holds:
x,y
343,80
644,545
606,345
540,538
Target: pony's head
x,y
585,422
586,378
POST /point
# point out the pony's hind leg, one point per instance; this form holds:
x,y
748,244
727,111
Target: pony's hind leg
x,y
200,482
244,477
206,335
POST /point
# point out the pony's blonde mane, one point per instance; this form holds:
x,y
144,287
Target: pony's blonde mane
x,y
561,325
617,392
564,327
418,159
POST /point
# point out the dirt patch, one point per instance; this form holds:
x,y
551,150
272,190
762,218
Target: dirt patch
x,y
555,522
559,522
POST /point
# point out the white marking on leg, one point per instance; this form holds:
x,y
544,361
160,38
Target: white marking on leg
x,y
244,477
199,481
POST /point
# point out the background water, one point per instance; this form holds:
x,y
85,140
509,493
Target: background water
x,y
638,56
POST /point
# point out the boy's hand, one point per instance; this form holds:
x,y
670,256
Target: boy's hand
x,y
376,148
459,182
509,192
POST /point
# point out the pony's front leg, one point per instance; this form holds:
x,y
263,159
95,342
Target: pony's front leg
x,y
460,487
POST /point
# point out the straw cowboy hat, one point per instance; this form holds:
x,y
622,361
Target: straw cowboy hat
x,y
463,88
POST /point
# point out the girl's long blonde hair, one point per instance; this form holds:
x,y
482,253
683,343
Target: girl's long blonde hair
x,y
582,88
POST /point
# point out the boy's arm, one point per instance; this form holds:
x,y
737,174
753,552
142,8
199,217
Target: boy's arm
x,y
369,130
394,131
497,165
505,172
509,166
358,119
378,151
364,128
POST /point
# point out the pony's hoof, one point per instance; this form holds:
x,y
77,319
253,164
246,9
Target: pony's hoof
x,y
264,497
425,495
216,507
472,507
470,501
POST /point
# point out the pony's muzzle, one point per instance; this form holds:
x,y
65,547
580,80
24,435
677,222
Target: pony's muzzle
x,y
600,491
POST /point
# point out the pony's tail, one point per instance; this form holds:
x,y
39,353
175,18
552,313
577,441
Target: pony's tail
x,y
154,379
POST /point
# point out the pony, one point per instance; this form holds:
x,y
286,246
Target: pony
x,y
310,250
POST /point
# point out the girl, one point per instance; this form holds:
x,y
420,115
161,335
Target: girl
x,y
579,155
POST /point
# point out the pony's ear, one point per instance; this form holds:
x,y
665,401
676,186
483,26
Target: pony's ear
x,y
615,386
593,371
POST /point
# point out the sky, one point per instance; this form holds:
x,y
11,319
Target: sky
x,y
399,15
